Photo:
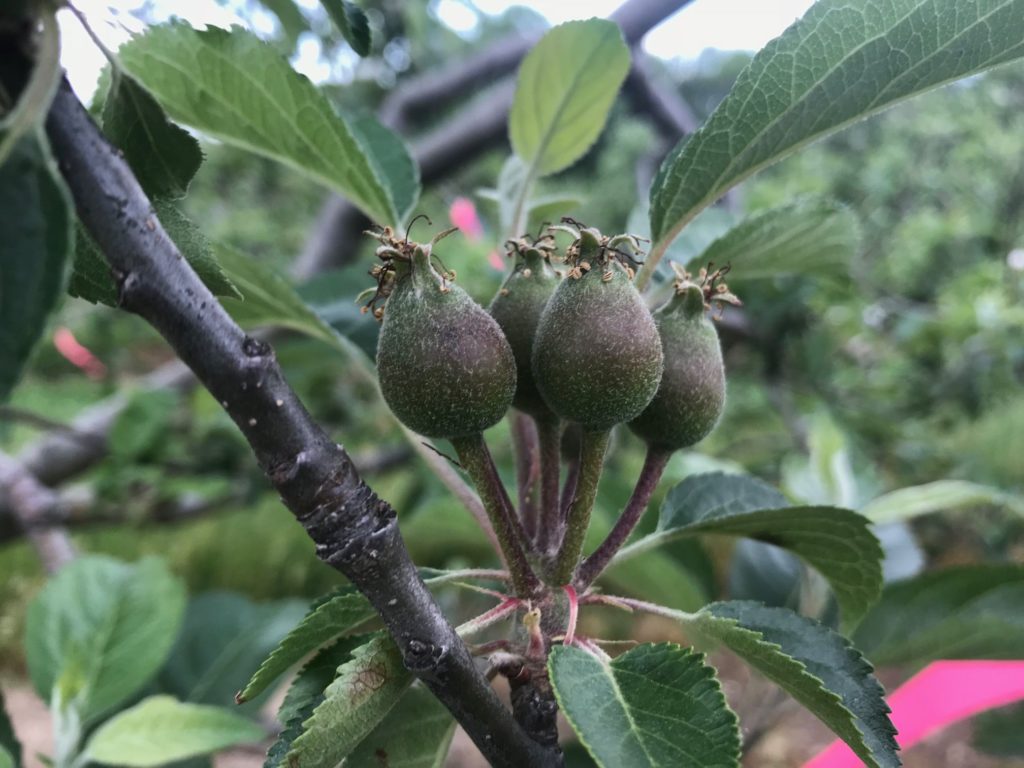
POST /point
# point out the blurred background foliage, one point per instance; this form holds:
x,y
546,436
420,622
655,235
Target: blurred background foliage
x,y
913,354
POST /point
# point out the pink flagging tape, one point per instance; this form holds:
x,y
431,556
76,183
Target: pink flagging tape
x,y
941,694
66,343
463,215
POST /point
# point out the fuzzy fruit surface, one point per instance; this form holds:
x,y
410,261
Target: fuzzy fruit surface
x,y
691,395
444,365
597,356
517,308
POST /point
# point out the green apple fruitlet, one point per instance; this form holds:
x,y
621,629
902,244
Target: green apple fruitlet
x,y
691,395
597,357
517,308
444,366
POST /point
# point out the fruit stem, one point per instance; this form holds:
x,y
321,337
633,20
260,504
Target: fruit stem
x,y
476,459
594,565
520,214
572,479
550,432
524,443
592,450
646,272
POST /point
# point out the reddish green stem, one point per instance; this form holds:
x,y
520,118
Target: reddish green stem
x,y
594,565
592,450
550,433
476,459
572,478
524,443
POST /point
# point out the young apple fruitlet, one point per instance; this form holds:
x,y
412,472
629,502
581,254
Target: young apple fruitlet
x,y
444,365
597,357
691,396
517,308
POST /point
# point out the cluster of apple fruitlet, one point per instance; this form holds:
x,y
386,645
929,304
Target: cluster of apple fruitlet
x,y
569,342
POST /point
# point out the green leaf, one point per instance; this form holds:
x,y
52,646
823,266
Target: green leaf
x,y
576,756
33,103
391,160
655,705
141,427
816,666
837,542
549,208
842,61
236,88
416,734
967,612
92,281
351,22
940,496
512,182
163,156
765,574
223,638
160,729
806,237
194,246
270,301
365,690
826,475
709,225
293,21
9,745
539,208
91,278
329,617
35,218
332,296
306,693
1000,732
101,629
566,87
327,620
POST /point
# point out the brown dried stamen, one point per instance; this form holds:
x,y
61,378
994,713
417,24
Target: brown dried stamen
x,y
712,285
590,248
393,249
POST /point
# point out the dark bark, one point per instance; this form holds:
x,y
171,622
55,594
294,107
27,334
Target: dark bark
x,y
58,456
534,705
78,507
32,503
354,530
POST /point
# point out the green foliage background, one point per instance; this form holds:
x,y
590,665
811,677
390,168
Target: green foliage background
x,y
914,349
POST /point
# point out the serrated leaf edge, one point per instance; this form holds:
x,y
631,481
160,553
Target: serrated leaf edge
x,y
364,199
377,644
859,659
707,670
